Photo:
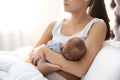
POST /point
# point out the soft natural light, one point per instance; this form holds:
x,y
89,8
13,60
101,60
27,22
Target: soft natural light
x,y
24,14
16,14
22,22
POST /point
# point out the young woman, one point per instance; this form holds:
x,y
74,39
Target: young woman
x,y
91,25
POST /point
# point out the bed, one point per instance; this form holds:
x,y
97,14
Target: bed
x,y
106,65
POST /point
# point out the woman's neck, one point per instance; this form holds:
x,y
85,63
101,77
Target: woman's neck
x,y
77,18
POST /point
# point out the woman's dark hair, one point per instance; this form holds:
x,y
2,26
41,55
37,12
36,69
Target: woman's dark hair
x,y
97,9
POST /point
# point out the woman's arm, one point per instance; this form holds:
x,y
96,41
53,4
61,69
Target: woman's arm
x,y
45,67
93,43
46,36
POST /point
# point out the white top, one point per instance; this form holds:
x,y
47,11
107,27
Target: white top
x,y
58,39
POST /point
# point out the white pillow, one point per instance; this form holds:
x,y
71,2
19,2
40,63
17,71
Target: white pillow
x,y
106,65
115,43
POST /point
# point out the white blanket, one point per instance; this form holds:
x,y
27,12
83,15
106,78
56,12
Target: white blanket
x,y
13,67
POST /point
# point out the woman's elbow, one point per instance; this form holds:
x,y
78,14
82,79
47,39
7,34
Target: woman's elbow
x,y
81,73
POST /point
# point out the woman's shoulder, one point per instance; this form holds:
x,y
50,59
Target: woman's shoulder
x,y
99,22
52,26
53,23
99,25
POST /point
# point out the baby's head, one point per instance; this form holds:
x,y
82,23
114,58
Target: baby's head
x,y
74,49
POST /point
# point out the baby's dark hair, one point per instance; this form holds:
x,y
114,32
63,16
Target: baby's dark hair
x,y
75,49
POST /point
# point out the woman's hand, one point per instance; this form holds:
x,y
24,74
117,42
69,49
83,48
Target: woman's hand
x,y
45,67
29,57
34,55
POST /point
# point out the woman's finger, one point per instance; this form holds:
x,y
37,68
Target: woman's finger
x,y
31,56
34,60
46,68
42,58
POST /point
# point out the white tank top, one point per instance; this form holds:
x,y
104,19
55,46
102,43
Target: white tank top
x,y
58,39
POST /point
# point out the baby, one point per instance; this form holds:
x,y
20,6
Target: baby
x,y
73,49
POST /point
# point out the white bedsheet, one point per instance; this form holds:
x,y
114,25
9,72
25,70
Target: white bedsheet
x,y
13,67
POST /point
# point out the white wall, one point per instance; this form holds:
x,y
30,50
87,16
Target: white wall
x,y
110,13
23,21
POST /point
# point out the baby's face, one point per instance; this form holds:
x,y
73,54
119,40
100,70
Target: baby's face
x,y
65,45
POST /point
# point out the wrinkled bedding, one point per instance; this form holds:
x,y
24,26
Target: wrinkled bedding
x,y
13,67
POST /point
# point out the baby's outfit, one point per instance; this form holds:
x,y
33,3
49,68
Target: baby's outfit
x,y
54,45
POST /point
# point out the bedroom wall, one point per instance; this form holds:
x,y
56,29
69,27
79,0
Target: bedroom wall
x,y
110,13
12,39
22,22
